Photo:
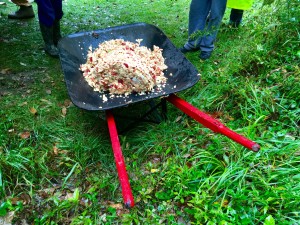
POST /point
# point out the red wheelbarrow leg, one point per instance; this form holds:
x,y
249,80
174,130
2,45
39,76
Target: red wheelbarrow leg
x,y
119,159
210,122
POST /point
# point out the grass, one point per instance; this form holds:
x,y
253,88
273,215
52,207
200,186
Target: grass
x,y
56,162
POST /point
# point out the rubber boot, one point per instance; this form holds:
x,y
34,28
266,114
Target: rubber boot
x,y
56,32
47,33
236,16
24,12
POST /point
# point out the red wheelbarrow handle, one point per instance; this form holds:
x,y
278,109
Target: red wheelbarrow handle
x,y
210,122
119,159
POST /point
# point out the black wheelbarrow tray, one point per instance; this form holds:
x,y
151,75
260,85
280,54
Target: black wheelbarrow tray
x,y
181,74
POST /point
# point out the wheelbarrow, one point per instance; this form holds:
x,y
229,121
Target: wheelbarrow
x,y
181,75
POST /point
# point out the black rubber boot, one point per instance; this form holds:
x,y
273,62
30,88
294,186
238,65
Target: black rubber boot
x,y
47,33
236,16
56,32
24,12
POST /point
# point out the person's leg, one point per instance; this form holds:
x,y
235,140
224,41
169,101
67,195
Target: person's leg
x,y
57,5
236,16
24,12
46,12
199,10
216,14
46,16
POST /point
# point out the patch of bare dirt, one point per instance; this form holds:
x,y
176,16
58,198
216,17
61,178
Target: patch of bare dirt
x,y
14,83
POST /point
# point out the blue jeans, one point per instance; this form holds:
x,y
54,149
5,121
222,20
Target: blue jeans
x,y
205,17
49,10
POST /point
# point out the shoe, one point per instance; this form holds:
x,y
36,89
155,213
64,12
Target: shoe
x,y
234,24
205,55
48,36
185,50
24,12
51,50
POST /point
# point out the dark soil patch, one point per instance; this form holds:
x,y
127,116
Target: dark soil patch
x,y
13,83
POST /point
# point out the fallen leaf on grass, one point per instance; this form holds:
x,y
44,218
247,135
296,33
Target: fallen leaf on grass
x,y
230,118
15,200
55,149
216,114
25,135
115,205
156,160
69,196
120,212
43,194
189,165
85,202
46,101
33,111
47,192
225,203
64,111
67,103
154,170
178,118
23,103
186,155
24,198
5,71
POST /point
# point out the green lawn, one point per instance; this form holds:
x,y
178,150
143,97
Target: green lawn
x,y
56,160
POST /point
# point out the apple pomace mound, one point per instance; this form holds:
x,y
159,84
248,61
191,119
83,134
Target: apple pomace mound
x,y
123,67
